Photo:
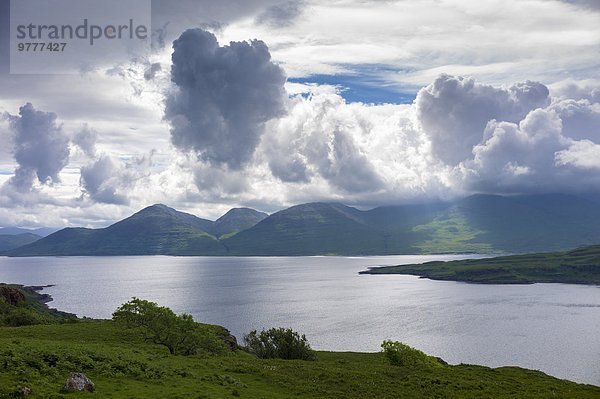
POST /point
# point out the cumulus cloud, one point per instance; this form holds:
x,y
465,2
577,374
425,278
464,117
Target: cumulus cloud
x,y
319,138
454,111
584,154
326,149
578,90
224,95
86,140
459,137
41,147
580,118
101,180
517,157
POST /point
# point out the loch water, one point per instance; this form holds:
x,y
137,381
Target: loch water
x,y
549,327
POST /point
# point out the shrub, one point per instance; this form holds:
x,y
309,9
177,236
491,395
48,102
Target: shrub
x,y
399,354
278,343
22,317
179,333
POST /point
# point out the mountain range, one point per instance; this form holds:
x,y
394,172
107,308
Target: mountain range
x,y
14,237
479,223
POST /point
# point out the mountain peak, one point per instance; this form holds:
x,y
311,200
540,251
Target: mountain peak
x,y
158,207
237,219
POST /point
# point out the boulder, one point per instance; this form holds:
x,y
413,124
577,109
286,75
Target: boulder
x,y
78,382
22,392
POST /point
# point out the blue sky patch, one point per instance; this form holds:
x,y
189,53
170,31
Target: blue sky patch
x,y
362,88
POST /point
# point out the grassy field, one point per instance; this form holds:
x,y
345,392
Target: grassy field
x,y
580,266
122,365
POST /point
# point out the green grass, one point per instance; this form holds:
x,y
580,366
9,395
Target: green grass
x,y
122,365
580,266
450,234
24,306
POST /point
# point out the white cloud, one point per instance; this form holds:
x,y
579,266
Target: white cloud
x,y
584,154
497,42
478,133
517,158
580,118
454,111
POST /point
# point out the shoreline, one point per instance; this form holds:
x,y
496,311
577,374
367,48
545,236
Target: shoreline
x,y
580,266
43,299
38,300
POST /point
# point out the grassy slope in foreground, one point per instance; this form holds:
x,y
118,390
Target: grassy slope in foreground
x,y
122,365
580,266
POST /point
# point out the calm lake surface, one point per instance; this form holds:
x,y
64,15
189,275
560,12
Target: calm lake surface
x,y
550,327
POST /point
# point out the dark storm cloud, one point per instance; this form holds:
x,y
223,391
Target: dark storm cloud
x,y
224,96
281,15
41,147
454,111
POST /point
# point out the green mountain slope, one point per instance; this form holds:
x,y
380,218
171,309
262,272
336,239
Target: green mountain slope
x,y
480,223
157,229
309,229
9,241
580,266
491,223
236,220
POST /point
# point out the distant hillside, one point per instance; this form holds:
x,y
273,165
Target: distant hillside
x,y
477,224
580,266
8,241
309,229
42,232
155,230
236,220
532,223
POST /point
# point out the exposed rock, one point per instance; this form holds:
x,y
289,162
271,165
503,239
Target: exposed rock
x,y
229,339
441,361
11,295
78,382
22,392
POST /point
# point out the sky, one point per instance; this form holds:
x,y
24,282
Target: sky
x,y
267,104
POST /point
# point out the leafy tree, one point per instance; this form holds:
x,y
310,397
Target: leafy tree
x,y
399,354
279,343
160,325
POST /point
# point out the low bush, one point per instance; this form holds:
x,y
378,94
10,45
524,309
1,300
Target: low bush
x,y
279,343
399,354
